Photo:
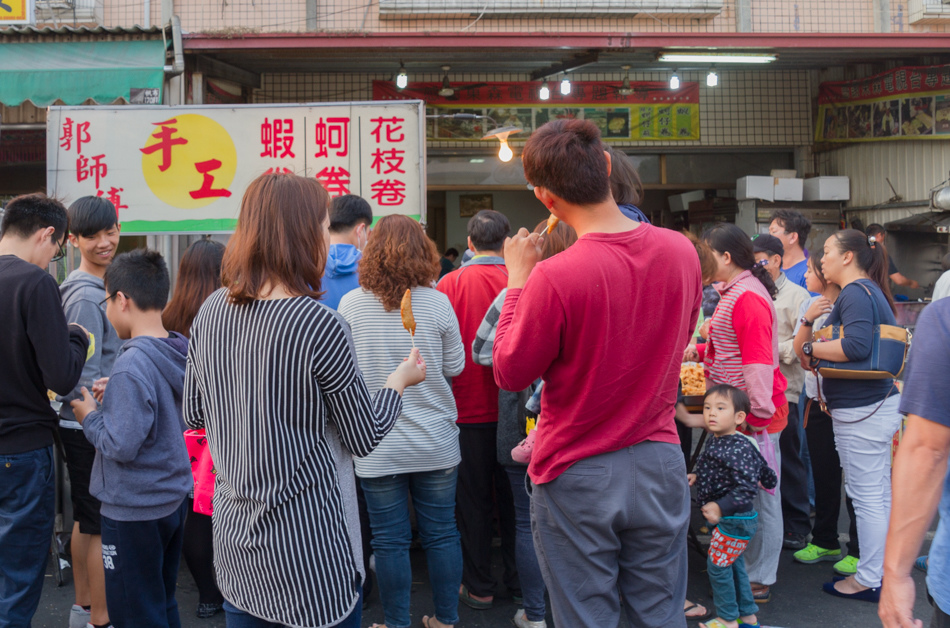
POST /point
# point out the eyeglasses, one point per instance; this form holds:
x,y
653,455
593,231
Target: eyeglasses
x,y
62,252
111,296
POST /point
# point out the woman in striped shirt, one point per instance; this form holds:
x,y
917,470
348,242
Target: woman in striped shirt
x,y
420,455
742,351
272,376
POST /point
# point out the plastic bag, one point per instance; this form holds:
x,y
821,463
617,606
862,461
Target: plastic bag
x,y
202,468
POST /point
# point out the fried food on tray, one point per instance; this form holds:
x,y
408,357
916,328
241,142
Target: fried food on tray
x,y
405,309
694,379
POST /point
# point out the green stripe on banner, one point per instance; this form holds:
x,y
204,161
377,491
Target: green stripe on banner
x,y
145,227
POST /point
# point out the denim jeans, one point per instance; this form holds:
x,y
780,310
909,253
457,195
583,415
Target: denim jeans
x,y
26,530
532,584
236,618
141,560
433,498
732,592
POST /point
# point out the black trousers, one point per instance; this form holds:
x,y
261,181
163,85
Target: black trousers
x,y
482,484
826,468
794,482
198,550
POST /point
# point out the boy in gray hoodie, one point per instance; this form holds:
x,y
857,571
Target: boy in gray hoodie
x,y
141,472
94,231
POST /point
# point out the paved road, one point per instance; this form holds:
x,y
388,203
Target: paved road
x,y
797,601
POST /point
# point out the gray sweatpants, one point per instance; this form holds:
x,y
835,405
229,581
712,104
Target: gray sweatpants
x,y
612,528
765,548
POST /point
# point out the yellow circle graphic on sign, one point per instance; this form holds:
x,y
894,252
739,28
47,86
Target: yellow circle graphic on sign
x,y
188,160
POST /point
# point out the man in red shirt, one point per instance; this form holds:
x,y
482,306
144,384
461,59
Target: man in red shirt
x,y
604,324
471,290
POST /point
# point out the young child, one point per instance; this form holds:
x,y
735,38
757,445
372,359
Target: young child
x,y
94,230
141,472
728,474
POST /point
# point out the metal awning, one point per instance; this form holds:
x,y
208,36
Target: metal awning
x,y
76,71
929,222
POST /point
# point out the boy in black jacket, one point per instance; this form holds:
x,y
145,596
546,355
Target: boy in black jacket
x,y
38,352
728,475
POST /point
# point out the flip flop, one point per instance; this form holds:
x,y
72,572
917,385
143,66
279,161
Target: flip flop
x,y
691,606
466,598
921,563
714,623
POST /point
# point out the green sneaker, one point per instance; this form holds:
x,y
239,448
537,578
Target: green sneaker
x,y
812,554
847,566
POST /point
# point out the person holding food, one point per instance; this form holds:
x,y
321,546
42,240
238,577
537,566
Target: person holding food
x,y
742,351
420,456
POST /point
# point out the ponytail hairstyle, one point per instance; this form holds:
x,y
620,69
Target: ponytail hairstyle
x,y
814,262
870,256
728,238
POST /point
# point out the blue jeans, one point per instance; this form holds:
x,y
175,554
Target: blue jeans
x,y
141,560
433,497
236,618
732,592
26,529
532,583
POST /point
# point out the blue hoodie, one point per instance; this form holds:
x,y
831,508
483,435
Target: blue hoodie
x,y
340,276
142,471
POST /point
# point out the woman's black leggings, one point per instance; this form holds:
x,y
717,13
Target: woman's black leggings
x,y
198,551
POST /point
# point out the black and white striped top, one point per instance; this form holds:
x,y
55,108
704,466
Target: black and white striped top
x,y
425,438
264,379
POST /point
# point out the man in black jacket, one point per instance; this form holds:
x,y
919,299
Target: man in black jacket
x,y
38,352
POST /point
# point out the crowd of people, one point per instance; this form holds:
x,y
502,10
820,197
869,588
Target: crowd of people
x,y
537,396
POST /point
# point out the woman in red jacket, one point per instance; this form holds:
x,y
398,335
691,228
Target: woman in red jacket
x,y
742,351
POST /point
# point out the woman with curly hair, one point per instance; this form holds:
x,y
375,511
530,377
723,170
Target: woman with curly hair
x,y
420,455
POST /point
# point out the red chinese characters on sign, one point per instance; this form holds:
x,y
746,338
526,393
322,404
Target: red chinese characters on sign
x,y
97,169
165,142
114,198
277,138
74,132
206,190
388,159
335,180
332,134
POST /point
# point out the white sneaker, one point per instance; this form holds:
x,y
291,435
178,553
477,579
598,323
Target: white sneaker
x,y
521,621
78,617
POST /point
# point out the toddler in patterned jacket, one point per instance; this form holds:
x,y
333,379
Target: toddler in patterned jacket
x,y
727,476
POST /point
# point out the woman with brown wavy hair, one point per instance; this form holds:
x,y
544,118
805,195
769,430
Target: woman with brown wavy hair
x,y
273,378
421,453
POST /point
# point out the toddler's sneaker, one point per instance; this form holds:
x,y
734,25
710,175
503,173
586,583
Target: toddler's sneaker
x,y
812,554
522,451
78,617
521,621
847,566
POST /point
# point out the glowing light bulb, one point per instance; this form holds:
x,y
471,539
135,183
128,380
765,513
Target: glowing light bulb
x,y
712,79
402,79
505,153
675,81
566,86
545,92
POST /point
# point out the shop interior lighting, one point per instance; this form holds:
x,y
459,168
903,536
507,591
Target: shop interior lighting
x,y
675,80
545,92
625,89
402,79
716,57
446,90
712,79
504,152
566,86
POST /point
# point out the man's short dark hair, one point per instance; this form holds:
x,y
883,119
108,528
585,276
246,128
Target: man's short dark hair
x,y
740,400
488,230
793,222
91,214
566,157
452,251
875,229
140,275
347,211
26,214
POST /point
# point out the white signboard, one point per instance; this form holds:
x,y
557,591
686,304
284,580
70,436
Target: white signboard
x,y
185,169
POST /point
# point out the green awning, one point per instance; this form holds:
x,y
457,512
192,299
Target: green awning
x,y
77,71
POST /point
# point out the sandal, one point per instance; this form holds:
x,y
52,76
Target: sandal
x,y
761,593
705,614
714,623
921,563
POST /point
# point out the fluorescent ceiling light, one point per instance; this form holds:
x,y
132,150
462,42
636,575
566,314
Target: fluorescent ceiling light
x,y
715,57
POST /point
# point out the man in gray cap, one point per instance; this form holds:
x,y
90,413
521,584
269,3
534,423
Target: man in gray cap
x,y
795,507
